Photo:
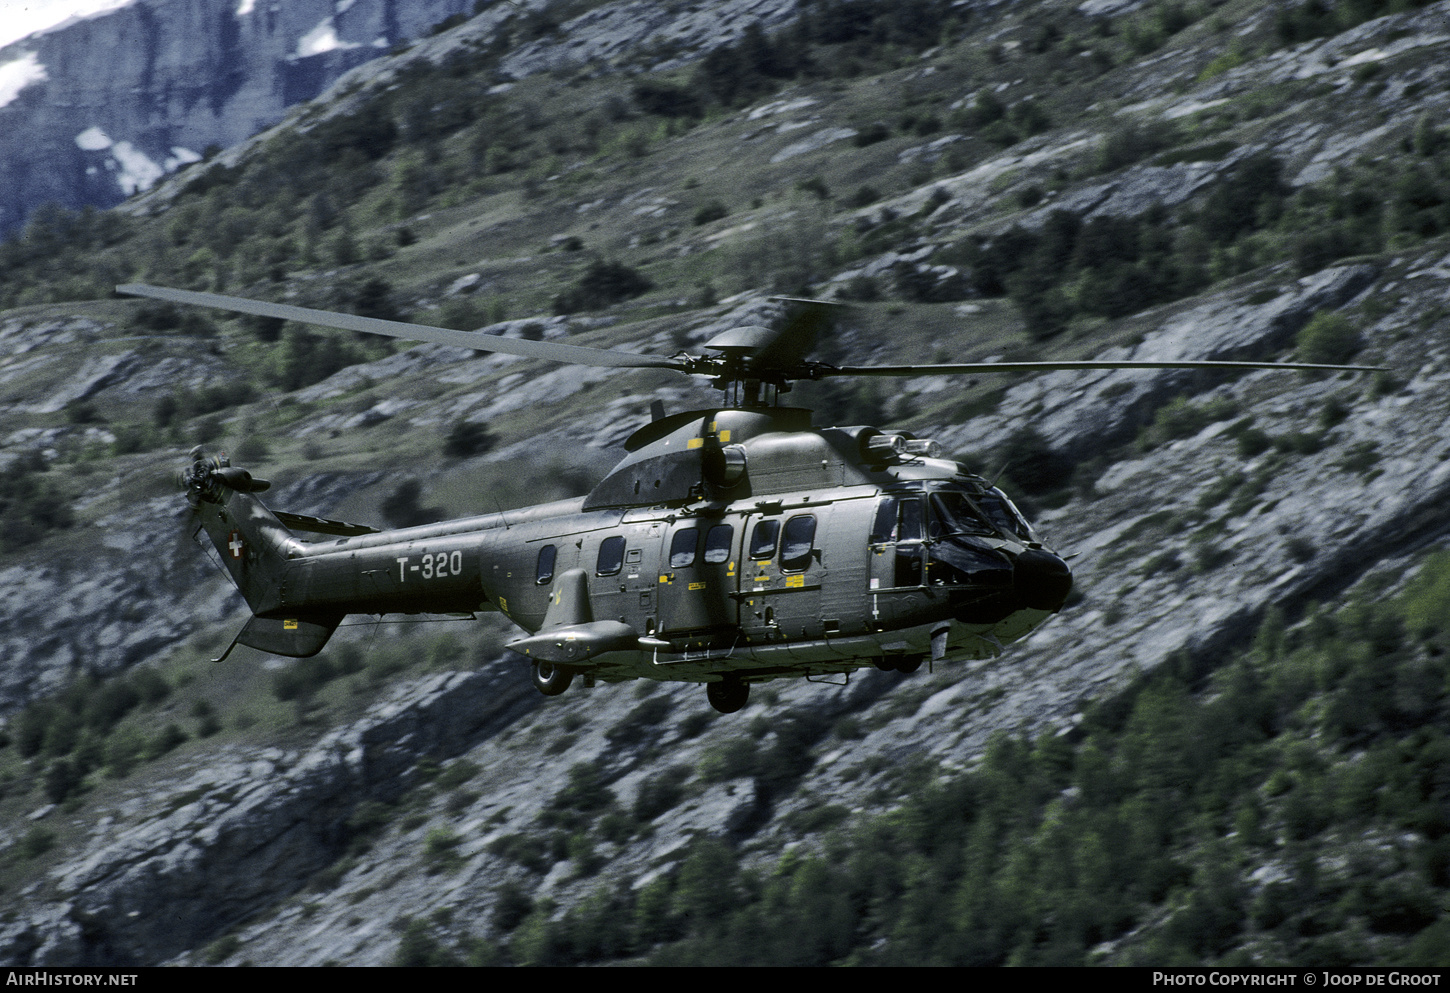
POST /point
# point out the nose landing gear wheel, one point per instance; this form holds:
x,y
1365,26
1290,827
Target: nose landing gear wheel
x,y
728,695
551,679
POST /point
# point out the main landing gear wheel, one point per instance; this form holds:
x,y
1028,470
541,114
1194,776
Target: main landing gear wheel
x,y
551,679
728,695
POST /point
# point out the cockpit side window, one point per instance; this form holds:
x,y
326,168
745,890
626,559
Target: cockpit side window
x,y
883,528
910,524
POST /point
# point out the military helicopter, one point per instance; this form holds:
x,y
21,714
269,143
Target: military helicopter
x,y
731,546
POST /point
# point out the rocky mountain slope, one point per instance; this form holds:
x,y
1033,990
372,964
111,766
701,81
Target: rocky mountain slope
x,y
416,790
98,109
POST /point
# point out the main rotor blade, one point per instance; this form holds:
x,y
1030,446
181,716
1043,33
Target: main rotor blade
x,y
961,368
551,350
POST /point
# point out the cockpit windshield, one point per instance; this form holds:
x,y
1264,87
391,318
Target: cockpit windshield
x,y
950,509
999,511
952,514
986,513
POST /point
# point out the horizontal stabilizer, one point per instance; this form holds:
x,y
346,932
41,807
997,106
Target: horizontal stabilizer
x,y
294,637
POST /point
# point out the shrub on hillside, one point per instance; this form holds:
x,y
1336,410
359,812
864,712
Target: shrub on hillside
x,y
666,100
30,504
604,283
1132,143
467,439
1328,338
712,211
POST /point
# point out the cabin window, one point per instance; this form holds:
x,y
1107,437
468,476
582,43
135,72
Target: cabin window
x,y
545,572
795,545
682,548
611,556
762,539
718,542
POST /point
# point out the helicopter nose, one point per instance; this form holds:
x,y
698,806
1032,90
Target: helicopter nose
x,y
1042,580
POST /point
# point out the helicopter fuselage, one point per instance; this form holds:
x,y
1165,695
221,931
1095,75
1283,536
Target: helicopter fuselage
x,y
766,550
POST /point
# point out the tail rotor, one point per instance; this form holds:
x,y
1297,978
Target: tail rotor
x,y
206,476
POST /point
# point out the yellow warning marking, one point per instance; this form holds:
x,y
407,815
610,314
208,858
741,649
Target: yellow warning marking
x,y
664,579
724,436
697,586
289,625
795,581
695,443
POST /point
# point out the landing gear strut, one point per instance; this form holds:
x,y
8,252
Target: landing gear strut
x,y
551,679
728,695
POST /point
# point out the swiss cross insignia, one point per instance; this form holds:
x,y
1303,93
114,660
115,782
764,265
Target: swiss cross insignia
x,y
234,544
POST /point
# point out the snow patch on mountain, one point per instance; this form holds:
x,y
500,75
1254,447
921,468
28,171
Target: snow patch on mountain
x,y
136,170
93,139
322,38
17,75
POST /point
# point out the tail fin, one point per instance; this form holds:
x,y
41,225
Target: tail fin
x,y
255,548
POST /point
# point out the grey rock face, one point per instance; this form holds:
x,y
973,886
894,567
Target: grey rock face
x,y
1082,413
604,35
227,836
140,588
60,618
